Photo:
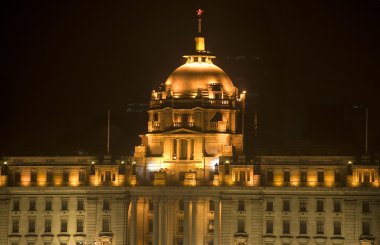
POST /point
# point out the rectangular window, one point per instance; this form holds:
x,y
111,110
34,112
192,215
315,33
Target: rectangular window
x,y
286,205
49,176
337,228
63,225
303,227
47,225
286,176
320,204
16,205
180,226
80,223
366,228
107,175
17,176
337,206
32,204
269,226
106,225
150,226
82,176
269,205
320,227
338,176
303,205
211,205
66,175
210,226
269,176
33,176
64,204
106,204
80,204
321,176
286,226
31,225
365,207
48,204
181,205
303,176
242,176
15,226
241,206
241,226
150,206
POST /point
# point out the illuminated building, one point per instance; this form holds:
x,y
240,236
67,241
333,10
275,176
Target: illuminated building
x,y
190,183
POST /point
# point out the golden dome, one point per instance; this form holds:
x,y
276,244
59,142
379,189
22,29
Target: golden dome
x,y
187,79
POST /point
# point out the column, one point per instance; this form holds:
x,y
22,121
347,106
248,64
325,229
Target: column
x,y
156,221
186,227
194,222
163,233
178,149
132,231
188,149
217,221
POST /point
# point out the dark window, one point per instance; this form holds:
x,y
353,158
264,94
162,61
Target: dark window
x,y
286,205
366,228
82,176
181,205
106,204
33,176
286,226
269,205
269,226
303,176
337,228
16,205
32,226
286,176
106,225
337,206
150,226
47,225
269,175
80,204
303,227
303,206
17,176
64,204
32,204
80,225
180,225
15,226
66,175
338,176
241,226
63,225
241,206
48,204
150,205
321,176
211,205
49,176
365,207
320,227
107,176
320,206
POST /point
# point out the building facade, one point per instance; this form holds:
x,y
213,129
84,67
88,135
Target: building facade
x,y
190,183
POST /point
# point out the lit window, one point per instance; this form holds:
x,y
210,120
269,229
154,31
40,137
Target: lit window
x,y
337,228
63,225
303,205
32,204
241,226
48,204
269,226
241,206
64,204
286,226
47,225
303,227
269,205
337,206
320,227
15,226
80,225
210,226
31,225
286,205
106,204
320,204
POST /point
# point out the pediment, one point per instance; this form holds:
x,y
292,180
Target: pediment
x,y
182,131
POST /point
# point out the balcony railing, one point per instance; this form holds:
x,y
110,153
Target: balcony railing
x,y
183,124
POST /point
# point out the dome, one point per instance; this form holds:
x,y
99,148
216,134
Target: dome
x,y
187,79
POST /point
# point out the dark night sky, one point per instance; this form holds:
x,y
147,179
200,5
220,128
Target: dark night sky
x,y
66,62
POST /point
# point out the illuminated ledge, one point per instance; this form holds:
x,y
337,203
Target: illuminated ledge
x,y
303,239
320,239
79,237
63,237
47,237
14,238
31,237
269,238
337,240
286,239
